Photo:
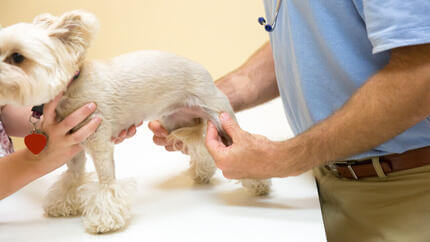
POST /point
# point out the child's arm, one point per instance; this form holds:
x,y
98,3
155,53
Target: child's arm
x,y
17,170
15,120
22,167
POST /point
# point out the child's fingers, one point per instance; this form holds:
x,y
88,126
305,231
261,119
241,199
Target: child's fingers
x,y
131,132
85,131
120,137
77,117
49,109
125,134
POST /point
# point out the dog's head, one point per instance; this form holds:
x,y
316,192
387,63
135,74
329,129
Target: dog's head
x,y
38,59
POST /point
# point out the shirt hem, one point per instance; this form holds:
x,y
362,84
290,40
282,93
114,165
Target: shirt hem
x,y
393,39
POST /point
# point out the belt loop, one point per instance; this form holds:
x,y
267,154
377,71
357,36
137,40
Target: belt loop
x,y
378,168
352,170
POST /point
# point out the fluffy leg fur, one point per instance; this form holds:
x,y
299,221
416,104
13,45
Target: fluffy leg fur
x,y
106,203
202,166
62,198
257,187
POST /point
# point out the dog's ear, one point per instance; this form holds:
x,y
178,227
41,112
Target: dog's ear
x,y
44,20
75,29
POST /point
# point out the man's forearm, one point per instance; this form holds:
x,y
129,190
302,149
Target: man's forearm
x,y
389,103
253,83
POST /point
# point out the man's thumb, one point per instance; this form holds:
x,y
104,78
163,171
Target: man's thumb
x,y
229,125
213,141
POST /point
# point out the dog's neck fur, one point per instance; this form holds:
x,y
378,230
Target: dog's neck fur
x,y
74,77
37,111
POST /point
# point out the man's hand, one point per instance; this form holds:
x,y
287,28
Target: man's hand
x,y
160,138
250,156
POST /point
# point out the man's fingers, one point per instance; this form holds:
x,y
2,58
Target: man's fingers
x,y
77,117
173,145
49,109
85,131
229,125
177,145
156,127
213,141
213,132
160,141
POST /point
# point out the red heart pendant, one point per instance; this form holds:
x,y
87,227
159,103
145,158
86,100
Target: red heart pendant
x,y
35,142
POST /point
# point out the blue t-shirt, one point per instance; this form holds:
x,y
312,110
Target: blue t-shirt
x,y
324,50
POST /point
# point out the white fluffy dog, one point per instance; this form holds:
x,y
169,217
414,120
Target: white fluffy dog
x,y
38,61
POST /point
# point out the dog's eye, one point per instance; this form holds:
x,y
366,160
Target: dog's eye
x,y
17,58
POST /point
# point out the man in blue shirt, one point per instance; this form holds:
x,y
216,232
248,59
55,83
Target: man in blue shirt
x,y
354,77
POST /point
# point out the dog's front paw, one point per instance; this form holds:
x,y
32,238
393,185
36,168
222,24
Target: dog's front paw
x,y
257,187
106,206
63,198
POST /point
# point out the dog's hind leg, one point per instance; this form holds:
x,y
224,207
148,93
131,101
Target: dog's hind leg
x,y
194,118
62,198
202,166
106,203
257,187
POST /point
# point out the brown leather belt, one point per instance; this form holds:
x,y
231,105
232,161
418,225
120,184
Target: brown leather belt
x,y
389,163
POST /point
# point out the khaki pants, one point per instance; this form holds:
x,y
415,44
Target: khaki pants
x,y
394,208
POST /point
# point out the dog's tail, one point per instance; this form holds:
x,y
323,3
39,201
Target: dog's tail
x,y
213,116
193,134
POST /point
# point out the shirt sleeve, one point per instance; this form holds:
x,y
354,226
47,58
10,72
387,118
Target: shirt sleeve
x,y
396,23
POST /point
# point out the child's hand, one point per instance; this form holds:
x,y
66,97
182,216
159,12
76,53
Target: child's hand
x,y
62,145
125,134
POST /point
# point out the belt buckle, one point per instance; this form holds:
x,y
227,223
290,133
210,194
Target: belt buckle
x,y
348,164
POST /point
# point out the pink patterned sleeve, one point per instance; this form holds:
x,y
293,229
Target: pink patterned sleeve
x,y
6,146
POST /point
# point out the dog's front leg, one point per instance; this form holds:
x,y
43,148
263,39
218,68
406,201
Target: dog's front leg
x,y
62,198
105,204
